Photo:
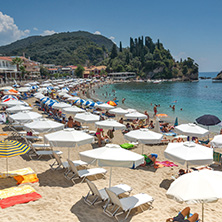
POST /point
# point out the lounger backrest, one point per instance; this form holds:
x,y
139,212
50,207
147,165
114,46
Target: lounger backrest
x,y
57,158
93,187
113,197
73,167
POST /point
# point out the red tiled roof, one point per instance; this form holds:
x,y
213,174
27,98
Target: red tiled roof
x,y
6,58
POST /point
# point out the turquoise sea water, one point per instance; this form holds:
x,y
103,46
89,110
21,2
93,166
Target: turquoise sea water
x,y
195,98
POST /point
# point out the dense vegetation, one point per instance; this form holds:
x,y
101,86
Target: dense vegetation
x,y
150,60
143,56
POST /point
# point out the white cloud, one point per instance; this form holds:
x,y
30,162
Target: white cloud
x,y
9,31
97,33
181,55
112,38
35,29
48,32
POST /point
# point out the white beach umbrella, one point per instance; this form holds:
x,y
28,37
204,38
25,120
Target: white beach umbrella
x,y
144,136
18,108
202,186
68,138
216,141
112,155
43,126
25,116
73,98
73,110
135,115
119,111
10,103
60,105
86,117
110,124
39,96
191,129
105,106
24,89
189,153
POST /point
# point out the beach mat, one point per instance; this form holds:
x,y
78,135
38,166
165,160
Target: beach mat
x,y
13,173
19,199
166,163
30,178
14,191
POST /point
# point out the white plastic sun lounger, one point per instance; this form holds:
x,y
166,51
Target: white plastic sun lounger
x,y
126,204
101,195
58,163
82,174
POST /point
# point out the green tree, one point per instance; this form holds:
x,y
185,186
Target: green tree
x,y
79,71
18,62
113,52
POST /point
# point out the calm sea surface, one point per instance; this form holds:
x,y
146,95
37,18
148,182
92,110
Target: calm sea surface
x,y
195,98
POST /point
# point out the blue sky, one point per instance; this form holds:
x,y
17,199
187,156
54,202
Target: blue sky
x,y
187,28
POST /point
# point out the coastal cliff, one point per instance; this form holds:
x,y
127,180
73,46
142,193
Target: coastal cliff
x,y
219,76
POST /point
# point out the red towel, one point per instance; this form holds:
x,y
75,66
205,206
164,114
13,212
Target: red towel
x,y
19,199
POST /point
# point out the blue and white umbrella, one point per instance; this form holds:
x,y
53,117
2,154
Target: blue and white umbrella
x,y
49,88
79,101
8,97
65,89
34,87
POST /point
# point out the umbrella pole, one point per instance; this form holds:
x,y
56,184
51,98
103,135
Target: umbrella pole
x,y
7,165
142,148
69,153
203,212
110,176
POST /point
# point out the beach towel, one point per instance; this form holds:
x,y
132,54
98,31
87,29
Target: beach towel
x,y
19,199
164,164
170,134
24,171
14,191
127,145
30,178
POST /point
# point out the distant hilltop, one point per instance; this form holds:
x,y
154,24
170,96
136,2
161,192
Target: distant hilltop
x,y
149,60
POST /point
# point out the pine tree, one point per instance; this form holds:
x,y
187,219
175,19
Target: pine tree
x,y
120,47
131,44
113,52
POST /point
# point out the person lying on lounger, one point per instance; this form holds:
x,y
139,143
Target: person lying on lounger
x,y
181,216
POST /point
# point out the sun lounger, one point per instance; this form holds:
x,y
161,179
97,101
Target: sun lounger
x,y
33,137
101,195
58,163
217,158
126,204
82,174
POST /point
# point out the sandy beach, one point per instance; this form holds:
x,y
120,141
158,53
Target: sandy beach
x,y
62,201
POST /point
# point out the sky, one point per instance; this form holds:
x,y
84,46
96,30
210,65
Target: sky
x,y
190,28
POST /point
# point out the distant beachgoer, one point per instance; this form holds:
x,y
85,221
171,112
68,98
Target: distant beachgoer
x,y
173,107
148,117
155,110
121,120
123,100
151,126
221,131
181,109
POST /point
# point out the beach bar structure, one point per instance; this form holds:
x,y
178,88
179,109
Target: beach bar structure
x,y
122,75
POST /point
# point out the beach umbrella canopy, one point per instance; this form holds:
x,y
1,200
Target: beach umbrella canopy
x,y
9,97
25,116
18,108
208,120
43,126
160,115
144,136
110,124
111,103
73,110
112,155
118,111
191,129
135,115
202,186
189,153
60,105
105,106
68,138
12,92
24,89
86,117
11,102
216,141
39,96
10,148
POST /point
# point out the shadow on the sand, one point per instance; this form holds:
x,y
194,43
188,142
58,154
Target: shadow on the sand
x,y
147,168
166,183
95,213
54,178
7,182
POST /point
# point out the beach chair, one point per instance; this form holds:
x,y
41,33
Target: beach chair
x,y
40,153
126,204
101,195
58,163
82,174
217,158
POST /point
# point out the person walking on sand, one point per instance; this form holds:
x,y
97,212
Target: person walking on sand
x,y
148,117
123,100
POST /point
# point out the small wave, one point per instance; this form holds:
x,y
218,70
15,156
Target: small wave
x,y
136,90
